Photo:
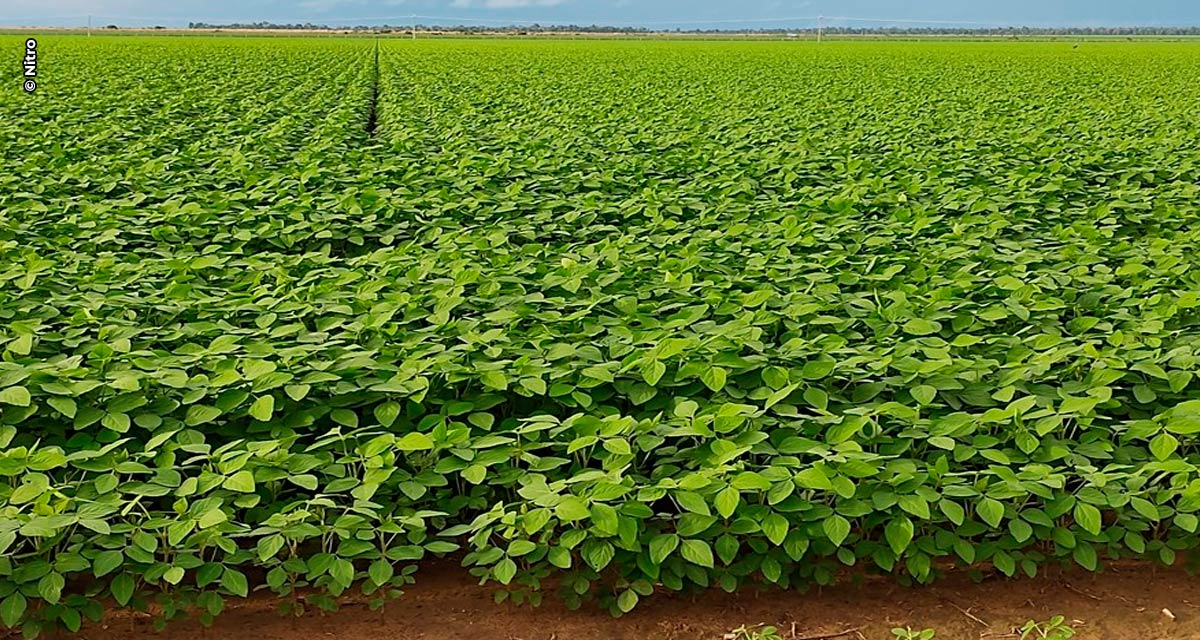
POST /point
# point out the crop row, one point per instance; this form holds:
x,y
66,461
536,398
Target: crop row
x,y
641,316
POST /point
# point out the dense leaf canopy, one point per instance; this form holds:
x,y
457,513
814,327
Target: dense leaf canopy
x,y
648,316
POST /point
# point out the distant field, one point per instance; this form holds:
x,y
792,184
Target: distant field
x,y
300,314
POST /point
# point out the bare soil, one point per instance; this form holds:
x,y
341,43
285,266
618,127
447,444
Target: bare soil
x,y
1126,602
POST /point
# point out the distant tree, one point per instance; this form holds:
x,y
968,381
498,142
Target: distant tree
x,y
1009,32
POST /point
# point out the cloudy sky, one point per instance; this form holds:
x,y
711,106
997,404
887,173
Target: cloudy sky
x,y
652,13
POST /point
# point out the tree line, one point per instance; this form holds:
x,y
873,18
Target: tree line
x,y
832,30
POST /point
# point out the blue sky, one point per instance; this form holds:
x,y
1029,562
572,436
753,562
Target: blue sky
x,y
654,13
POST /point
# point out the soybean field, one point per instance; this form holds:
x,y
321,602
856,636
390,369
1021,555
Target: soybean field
x,y
600,320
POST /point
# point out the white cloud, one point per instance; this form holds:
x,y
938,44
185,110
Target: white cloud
x,y
50,7
326,5
505,4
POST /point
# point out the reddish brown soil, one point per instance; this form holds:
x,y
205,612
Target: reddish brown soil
x,y
1123,603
